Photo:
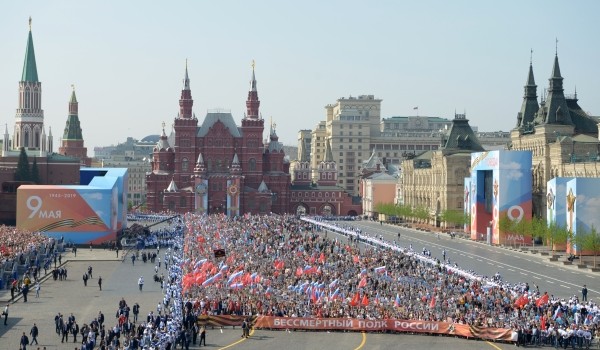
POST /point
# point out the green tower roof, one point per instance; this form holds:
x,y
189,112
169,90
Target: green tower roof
x,y
29,67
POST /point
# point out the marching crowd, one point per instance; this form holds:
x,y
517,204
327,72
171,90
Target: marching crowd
x,y
283,266
279,265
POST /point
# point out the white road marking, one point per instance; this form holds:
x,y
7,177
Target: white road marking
x,y
550,282
562,285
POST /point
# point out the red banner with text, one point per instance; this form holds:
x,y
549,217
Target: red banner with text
x,y
392,325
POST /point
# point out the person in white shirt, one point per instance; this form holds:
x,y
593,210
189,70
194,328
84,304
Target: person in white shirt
x,y
141,282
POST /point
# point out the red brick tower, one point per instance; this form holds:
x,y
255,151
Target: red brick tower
x,y
72,141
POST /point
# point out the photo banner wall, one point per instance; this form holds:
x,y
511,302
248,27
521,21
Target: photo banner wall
x,y
500,188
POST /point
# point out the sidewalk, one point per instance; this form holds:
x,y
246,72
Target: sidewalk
x,y
96,254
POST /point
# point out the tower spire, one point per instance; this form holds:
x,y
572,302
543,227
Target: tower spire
x,y
186,102
530,106
29,66
186,79
252,103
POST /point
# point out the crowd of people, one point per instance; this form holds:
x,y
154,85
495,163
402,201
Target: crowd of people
x,y
290,267
283,266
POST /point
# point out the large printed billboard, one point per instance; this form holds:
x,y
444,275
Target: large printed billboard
x,y
582,203
556,206
500,188
94,176
80,214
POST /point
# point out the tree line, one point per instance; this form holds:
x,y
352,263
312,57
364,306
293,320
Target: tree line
x,y
24,172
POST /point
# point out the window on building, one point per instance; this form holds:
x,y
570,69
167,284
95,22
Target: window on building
x,y
252,164
171,205
182,202
185,164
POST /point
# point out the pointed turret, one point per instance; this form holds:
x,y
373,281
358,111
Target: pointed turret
x,y
186,78
327,168
29,118
556,69
263,187
73,126
235,165
29,66
163,143
186,102
199,169
530,106
5,141
556,110
252,103
172,187
50,141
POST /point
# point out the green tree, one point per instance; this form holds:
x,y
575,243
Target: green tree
x,y
557,234
591,242
404,211
35,172
22,173
455,217
538,229
421,213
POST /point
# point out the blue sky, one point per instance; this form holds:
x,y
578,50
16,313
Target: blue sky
x,y
127,58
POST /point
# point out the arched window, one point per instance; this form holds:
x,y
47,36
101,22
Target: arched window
x,y
185,164
252,164
26,138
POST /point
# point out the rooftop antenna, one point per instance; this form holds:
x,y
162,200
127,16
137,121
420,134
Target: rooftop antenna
x,y
556,48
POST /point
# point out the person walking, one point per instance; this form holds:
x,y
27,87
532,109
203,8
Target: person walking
x,y
584,293
132,259
34,334
25,291
100,282
85,279
136,311
75,331
141,283
90,272
37,288
5,314
202,336
245,329
23,342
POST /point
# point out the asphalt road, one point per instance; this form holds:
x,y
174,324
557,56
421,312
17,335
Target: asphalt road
x,y
514,266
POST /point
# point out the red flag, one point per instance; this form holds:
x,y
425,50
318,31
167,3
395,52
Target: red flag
x,y
355,259
322,258
299,271
542,300
522,301
355,300
362,283
365,301
432,302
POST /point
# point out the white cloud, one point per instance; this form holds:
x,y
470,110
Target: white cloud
x,y
513,174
